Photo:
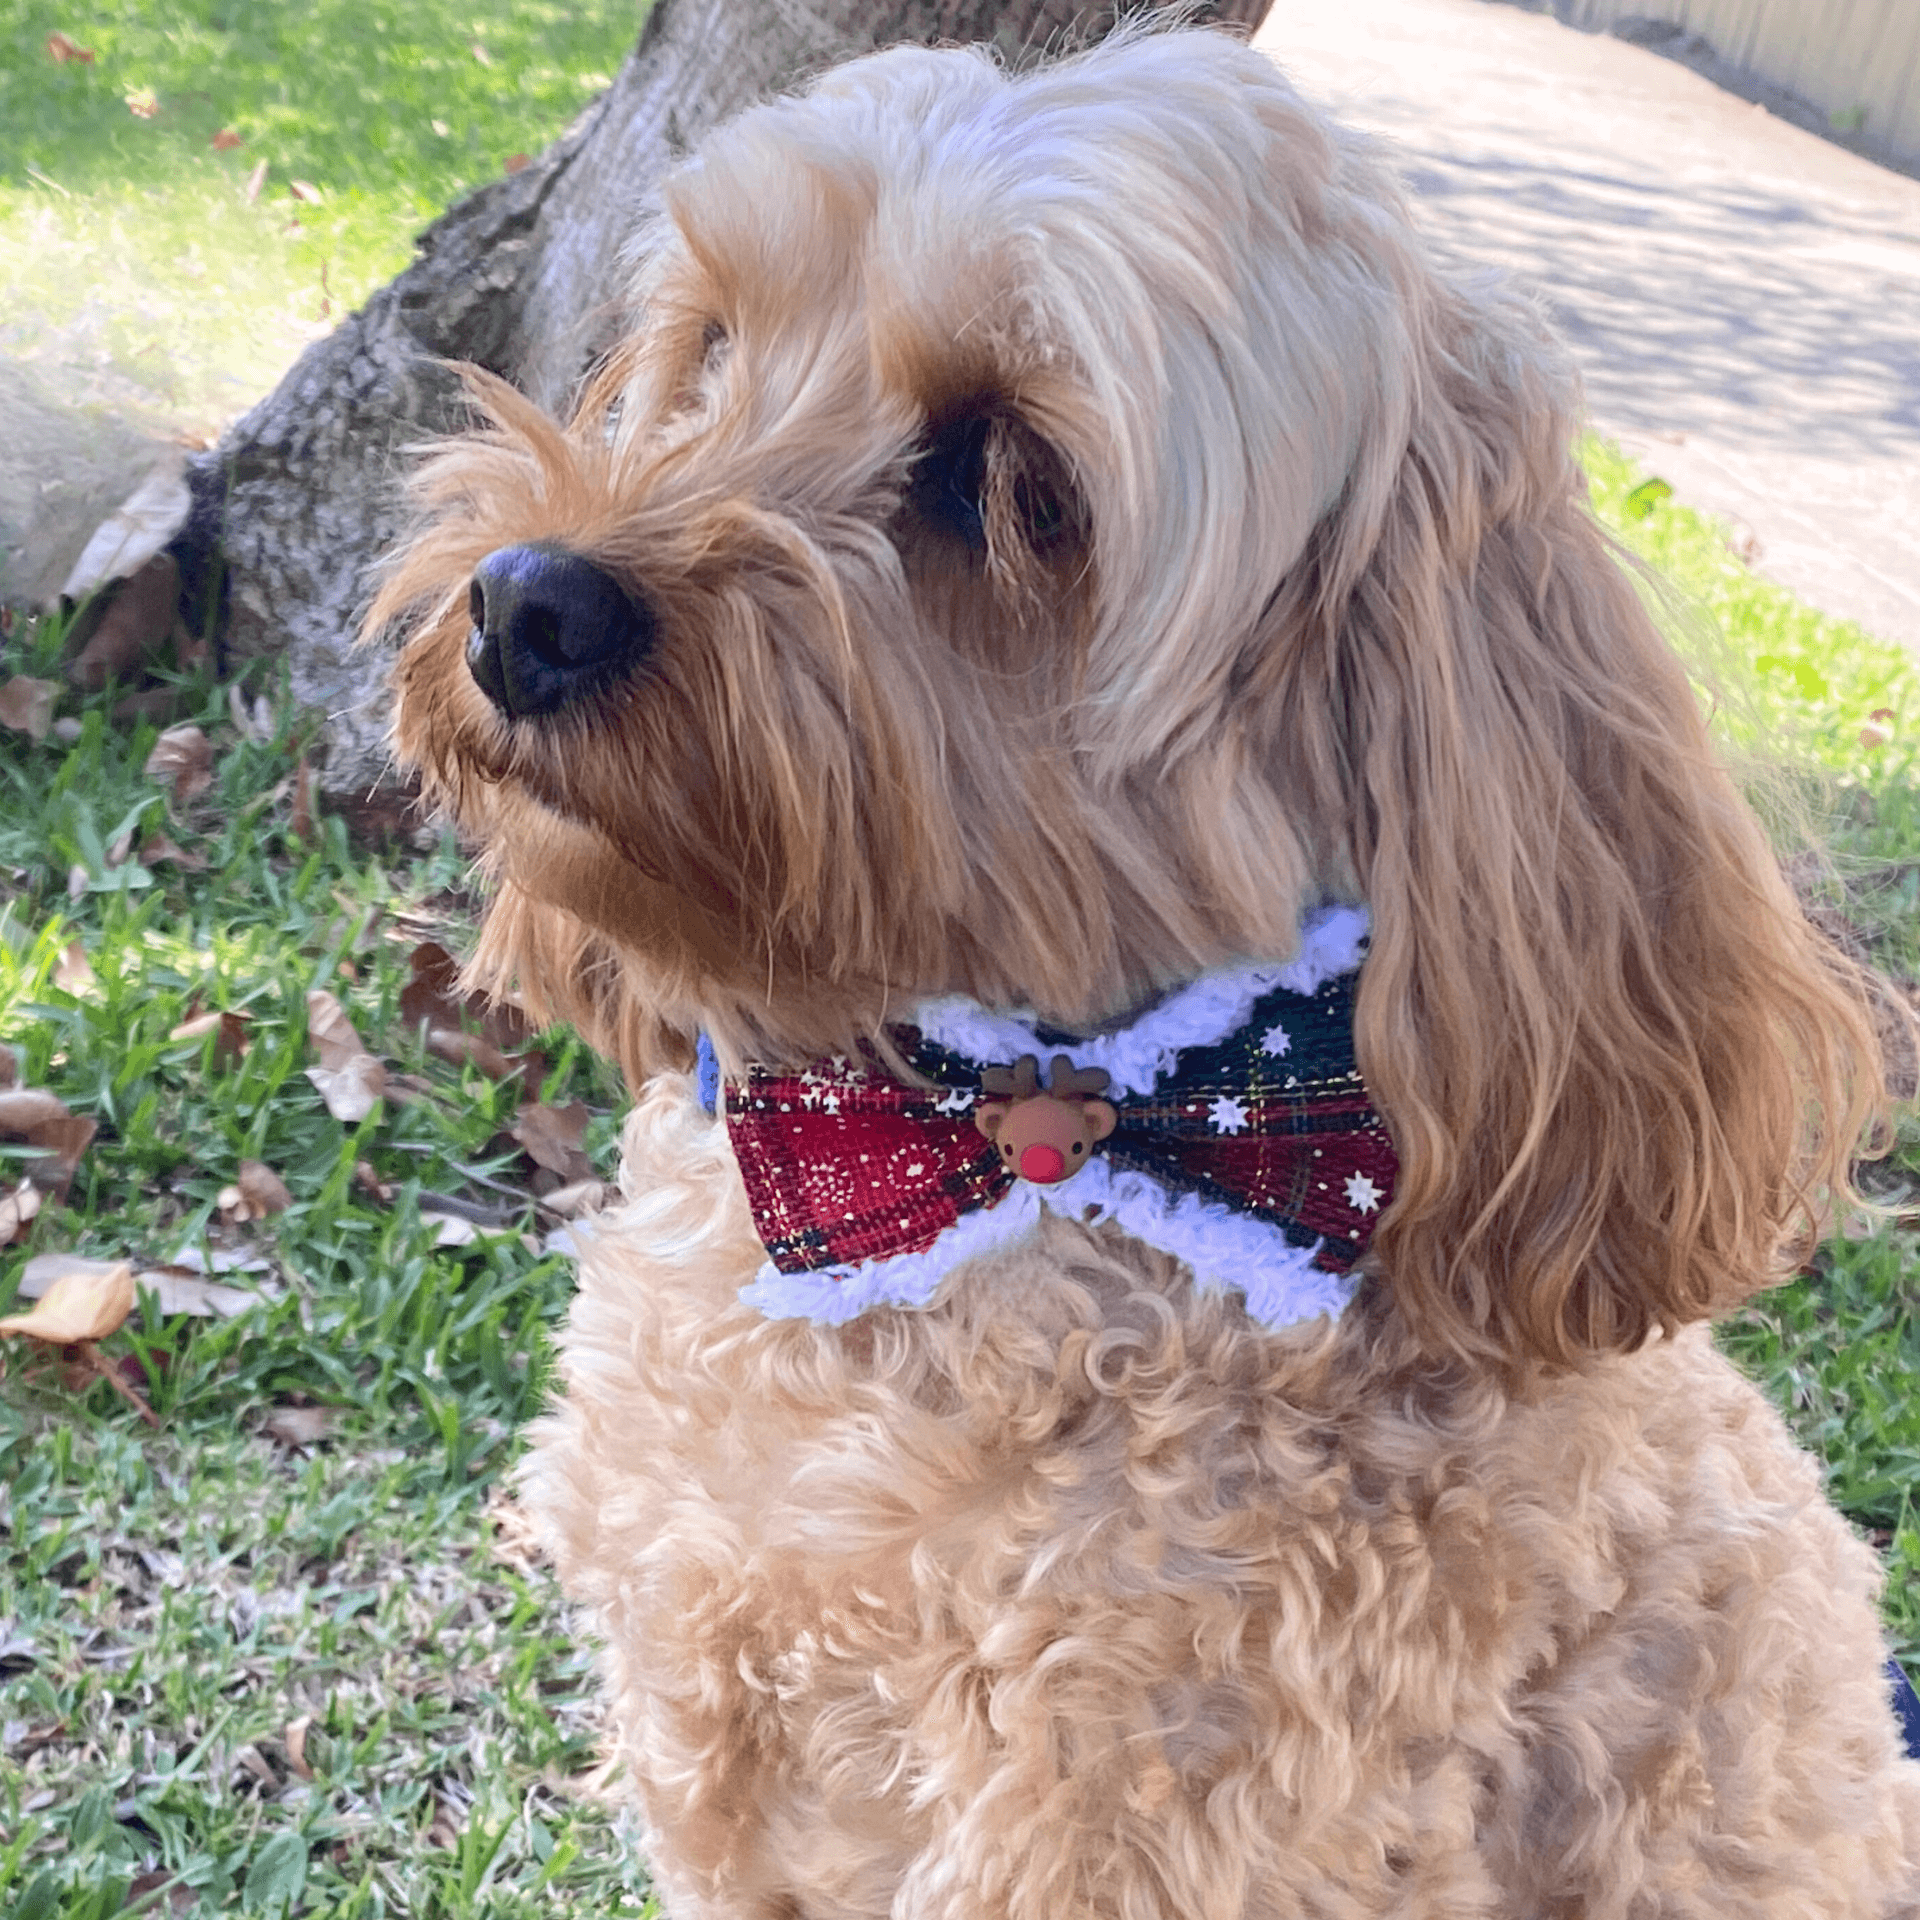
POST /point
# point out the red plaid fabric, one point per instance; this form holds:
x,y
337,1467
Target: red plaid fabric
x,y
844,1164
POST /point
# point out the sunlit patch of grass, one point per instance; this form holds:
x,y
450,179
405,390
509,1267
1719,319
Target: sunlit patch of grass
x,y
1834,713
292,1673
128,245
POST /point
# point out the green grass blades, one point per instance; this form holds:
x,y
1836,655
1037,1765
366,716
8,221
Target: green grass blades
x,y
275,1655
141,255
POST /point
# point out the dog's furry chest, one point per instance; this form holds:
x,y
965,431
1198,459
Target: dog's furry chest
x,y
1084,1544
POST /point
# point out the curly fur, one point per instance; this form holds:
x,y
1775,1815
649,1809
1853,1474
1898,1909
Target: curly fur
x,y
1077,1592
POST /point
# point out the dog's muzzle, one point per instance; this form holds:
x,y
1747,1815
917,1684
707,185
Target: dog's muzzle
x,y
549,628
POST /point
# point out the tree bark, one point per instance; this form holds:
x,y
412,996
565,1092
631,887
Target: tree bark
x,y
302,495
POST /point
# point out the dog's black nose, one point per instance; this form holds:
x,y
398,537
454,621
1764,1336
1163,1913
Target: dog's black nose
x,y
550,628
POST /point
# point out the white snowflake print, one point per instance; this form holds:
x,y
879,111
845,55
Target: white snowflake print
x,y
1362,1195
958,1101
1278,1042
1226,1115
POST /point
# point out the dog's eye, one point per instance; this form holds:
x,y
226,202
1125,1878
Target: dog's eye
x,y
950,477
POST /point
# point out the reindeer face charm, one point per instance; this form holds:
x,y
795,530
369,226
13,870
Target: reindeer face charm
x,y
1044,1135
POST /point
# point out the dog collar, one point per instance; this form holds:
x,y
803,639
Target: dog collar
x,y
1228,1126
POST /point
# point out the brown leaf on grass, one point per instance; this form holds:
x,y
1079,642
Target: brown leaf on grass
x,y
552,1137
226,140
156,847
255,181
27,705
306,191
135,627
331,1031
182,756
294,1739
143,103
370,1183
299,1426
432,999
518,162
40,1119
257,1192
78,1306
350,1079
582,1197
229,1030
458,1048
73,971
64,49
17,1210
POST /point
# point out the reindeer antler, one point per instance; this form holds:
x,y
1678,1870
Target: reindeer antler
x,y
1067,1082
1021,1081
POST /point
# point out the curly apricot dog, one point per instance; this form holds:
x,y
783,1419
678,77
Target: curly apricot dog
x,y
1142,1403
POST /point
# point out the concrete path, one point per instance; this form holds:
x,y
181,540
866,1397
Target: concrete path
x,y
1743,297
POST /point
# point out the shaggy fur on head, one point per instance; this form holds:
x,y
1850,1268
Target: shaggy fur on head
x,y
1083,534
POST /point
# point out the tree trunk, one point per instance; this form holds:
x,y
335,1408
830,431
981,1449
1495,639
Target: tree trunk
x,y
302,495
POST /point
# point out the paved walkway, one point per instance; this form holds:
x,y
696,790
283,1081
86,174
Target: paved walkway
x,y
1743,297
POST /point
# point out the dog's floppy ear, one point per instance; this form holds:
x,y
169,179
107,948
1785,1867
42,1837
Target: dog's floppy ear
x,y
1619,1068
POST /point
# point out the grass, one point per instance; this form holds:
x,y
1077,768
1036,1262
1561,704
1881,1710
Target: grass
x,y
135,262
172,1602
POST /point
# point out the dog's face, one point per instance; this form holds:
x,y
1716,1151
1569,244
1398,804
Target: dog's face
x,y
886,623
1042,534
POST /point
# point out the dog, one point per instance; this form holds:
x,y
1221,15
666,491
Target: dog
x,y
1157,1363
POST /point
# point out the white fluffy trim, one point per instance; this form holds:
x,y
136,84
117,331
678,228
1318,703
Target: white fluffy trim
x,y
1225,1249
1201,1014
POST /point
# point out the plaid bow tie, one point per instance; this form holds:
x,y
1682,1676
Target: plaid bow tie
x,y
1233,1130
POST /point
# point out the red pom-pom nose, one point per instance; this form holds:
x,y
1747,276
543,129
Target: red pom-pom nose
x,y
1042,1163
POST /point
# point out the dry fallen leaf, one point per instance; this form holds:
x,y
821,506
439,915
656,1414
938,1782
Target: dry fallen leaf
x,y
73,971
229,1029
78,1306
294,1739
255,181
184,756
257,1192
143,103
370,1183
26,1110
40,1119
64,49
581,1197
27,705
298,1426
78,881
305,190
17,1210
350,1079
156,847
226,140
552,1137
458,1047
518,162
331,1031
135,627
